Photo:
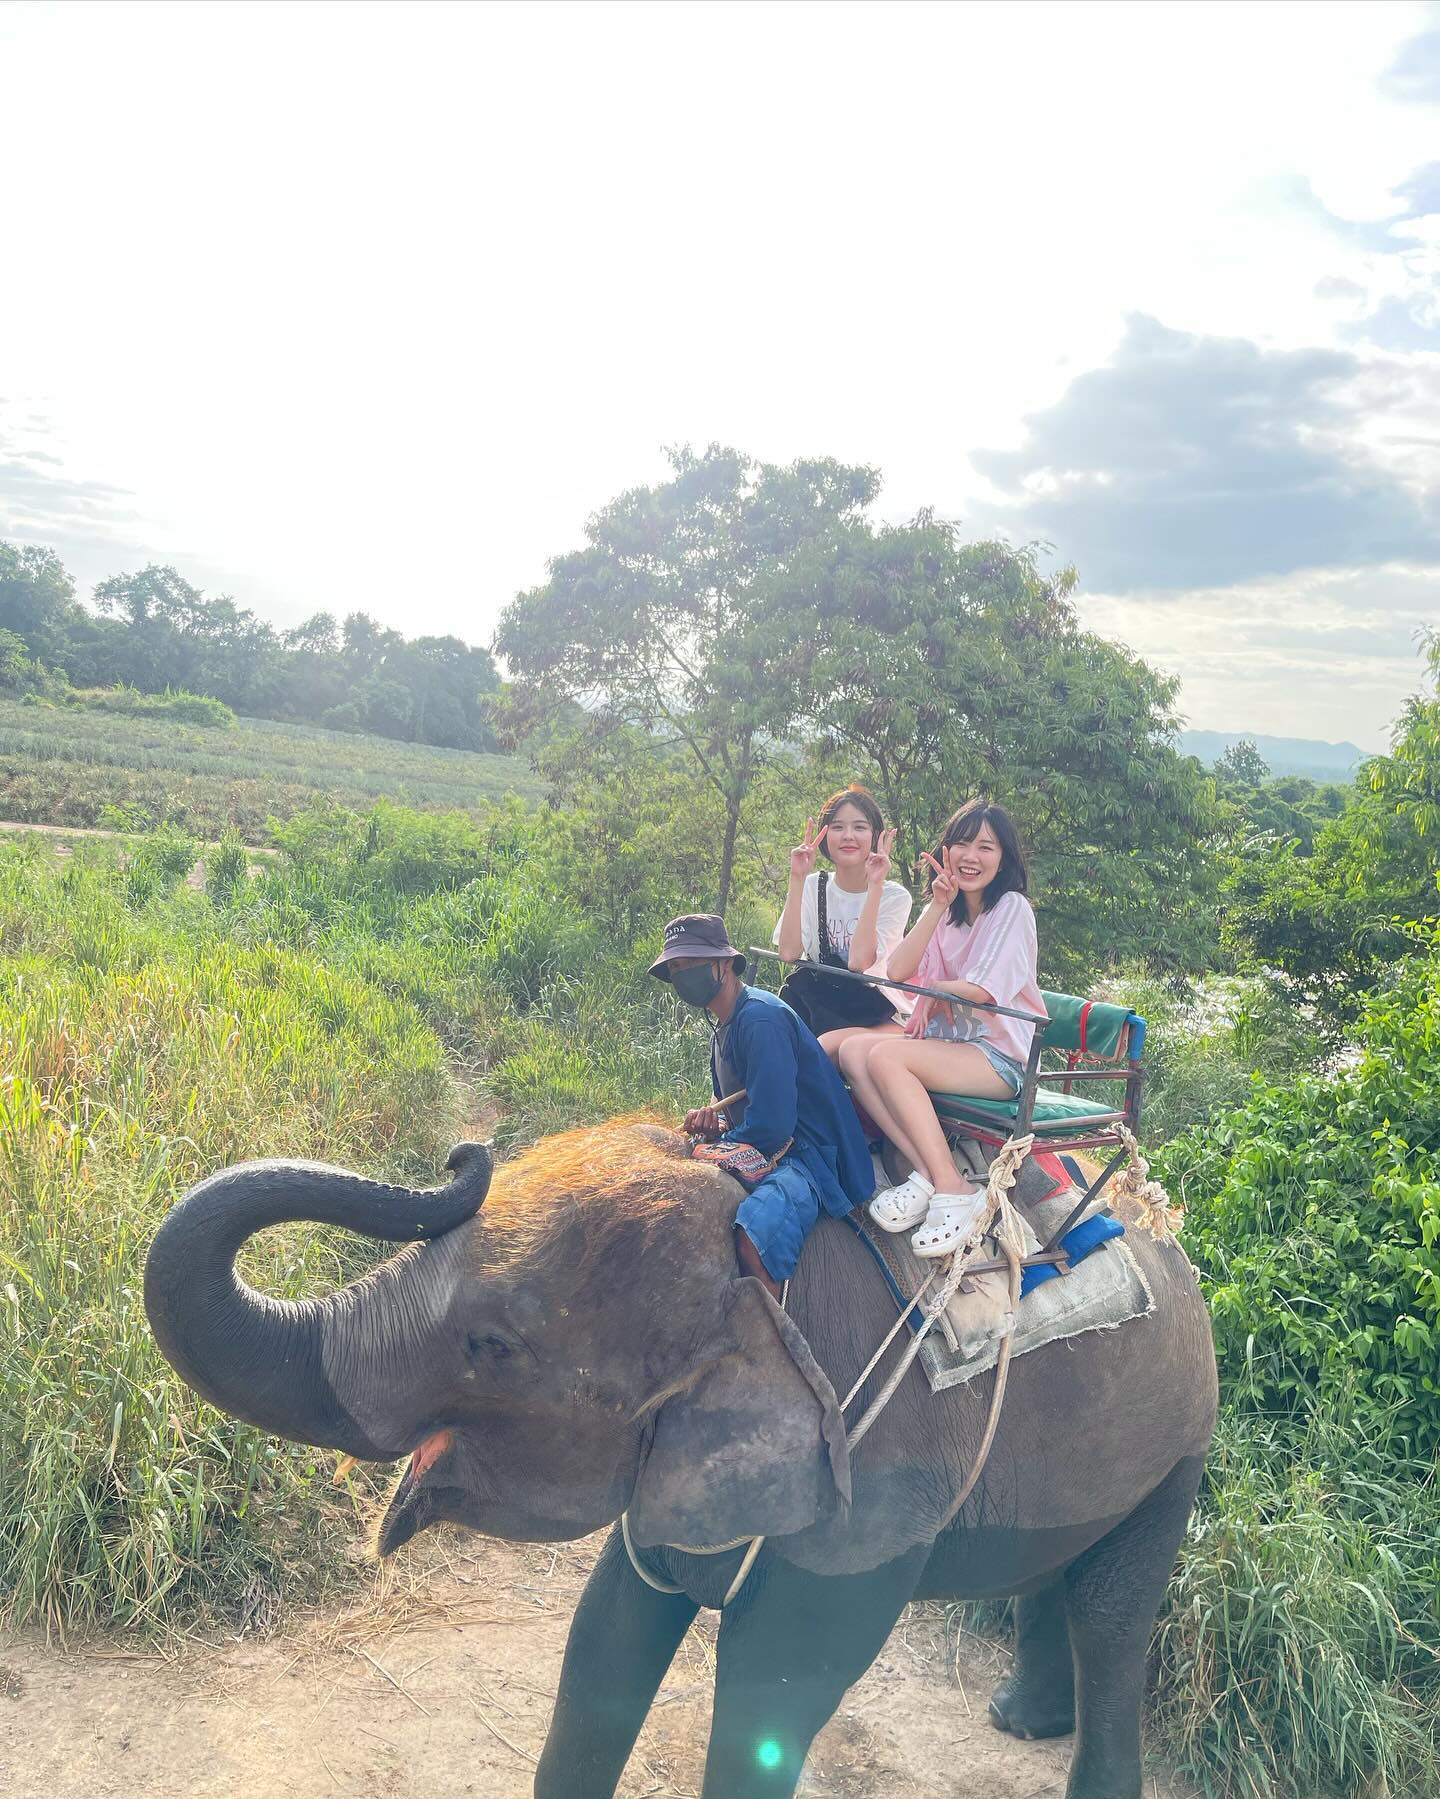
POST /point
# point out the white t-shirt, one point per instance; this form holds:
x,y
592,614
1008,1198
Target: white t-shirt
x,y
842,914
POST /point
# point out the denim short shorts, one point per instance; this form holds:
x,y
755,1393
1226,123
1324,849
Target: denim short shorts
x,y
1005,1066
939,1030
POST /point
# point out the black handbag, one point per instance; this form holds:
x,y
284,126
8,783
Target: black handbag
x,y
830,1002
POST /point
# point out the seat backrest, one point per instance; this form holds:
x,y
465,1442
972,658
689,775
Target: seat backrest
x,y
1093,1029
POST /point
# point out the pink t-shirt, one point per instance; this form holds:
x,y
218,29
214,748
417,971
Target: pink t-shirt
x,y
997,953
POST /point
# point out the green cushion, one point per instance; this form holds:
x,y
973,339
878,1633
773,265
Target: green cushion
x,y
1105,1026
1053,1111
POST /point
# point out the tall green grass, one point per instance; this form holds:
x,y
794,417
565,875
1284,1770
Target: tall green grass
x,y
1298,1655
149,1035
141,1052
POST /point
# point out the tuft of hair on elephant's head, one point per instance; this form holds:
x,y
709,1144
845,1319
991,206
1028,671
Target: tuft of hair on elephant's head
x,y
565,1338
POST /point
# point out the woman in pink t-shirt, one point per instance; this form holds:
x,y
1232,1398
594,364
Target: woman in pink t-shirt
x,y
975,939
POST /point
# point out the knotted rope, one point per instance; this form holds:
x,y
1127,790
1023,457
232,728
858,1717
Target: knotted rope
x,y
1158,1214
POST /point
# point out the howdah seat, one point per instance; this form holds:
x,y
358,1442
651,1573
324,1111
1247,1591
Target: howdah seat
x,y
1092,1042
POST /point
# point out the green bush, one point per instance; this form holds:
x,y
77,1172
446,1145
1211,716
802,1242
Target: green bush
x,y
163,859
1314,1217
184,708
227,869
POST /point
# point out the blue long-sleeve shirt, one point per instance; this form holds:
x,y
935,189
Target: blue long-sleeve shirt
x,y
795,1096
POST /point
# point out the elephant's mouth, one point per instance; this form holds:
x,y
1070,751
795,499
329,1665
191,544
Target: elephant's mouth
x,y
412,1505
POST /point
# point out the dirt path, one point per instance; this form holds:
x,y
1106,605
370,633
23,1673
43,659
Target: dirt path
x,y
440,1682
20,824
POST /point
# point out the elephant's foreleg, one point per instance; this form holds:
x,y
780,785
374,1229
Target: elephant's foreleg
x,y
622,1639
1112,1593
789,1646
1037,1698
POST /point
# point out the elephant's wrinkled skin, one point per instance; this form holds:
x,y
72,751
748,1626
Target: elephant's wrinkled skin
x,y
584,1344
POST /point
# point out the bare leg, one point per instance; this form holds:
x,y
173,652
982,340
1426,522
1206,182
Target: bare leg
x,y
905,1074
750,1263
830,1042
855,1056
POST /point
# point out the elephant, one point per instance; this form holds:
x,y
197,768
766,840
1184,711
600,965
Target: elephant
x,y
581,1348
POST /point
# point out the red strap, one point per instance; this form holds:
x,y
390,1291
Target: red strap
x,y
1084,1020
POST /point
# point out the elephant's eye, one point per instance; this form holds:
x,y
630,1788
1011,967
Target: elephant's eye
x,y
491,1346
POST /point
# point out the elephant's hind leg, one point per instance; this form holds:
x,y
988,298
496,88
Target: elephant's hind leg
x,y
1112,1593
1037,1697
789,1646
622,1639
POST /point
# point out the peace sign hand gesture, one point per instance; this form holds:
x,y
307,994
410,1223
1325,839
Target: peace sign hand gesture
x,y
877,863
943,884
802,857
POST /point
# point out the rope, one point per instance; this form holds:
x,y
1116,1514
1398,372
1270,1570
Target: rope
x,y
1157,1214
999,1218
1012,1248
660,1586
1002,1177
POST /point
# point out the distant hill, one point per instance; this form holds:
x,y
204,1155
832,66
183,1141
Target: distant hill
x,y
1284,755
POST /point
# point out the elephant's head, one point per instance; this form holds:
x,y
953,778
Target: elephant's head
x,y
581,1345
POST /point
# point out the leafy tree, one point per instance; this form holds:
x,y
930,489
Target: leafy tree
x,y
37,598
665,621
154,631
316,636
1259,809
1242,765
175,637
947,669
365,644
448,683
1335,920
20,673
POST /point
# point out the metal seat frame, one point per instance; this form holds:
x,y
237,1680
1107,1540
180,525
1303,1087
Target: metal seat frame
x,y
1102,1132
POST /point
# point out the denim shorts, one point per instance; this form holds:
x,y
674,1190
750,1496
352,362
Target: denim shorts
x,y
777,1215
1005,1066
939,1030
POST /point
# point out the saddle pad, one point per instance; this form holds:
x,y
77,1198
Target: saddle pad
x,y
1100,1293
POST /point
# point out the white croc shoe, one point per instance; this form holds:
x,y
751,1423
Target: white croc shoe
x,y
901,1208
952,1223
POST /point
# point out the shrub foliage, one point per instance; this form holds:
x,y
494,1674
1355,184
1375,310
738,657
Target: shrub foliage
x,y
1314,1215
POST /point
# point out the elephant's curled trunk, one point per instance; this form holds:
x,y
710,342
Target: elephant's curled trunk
x,y
258,1358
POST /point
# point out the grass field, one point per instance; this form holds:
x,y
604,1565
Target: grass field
x,y
386,983
64,766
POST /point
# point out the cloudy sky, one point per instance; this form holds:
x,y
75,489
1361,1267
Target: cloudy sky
x,y
368,305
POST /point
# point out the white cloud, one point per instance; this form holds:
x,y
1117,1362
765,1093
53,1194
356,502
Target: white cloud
x,y
371,305
1331,653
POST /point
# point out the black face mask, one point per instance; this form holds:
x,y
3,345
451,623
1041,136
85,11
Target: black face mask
x,y
697,986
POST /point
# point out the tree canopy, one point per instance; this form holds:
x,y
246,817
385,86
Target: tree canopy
x,y
752,618
666,620
154,630
1331,902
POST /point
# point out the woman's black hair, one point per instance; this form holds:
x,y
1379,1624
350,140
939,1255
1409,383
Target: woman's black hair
x,y
863,801
965,826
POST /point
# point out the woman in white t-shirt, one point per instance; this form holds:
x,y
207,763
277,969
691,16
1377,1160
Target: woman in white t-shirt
x,y
851,918
975,940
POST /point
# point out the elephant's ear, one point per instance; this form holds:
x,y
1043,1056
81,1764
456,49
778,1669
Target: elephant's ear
x,y
754,1447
